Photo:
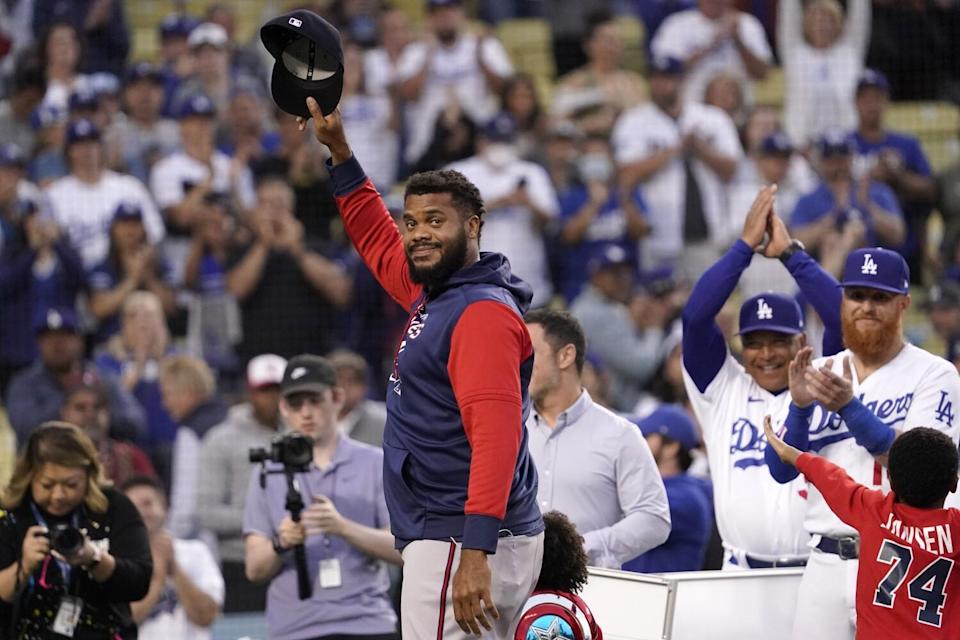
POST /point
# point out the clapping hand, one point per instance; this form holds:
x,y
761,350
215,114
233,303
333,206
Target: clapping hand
x,y
758,217
826,387
799,392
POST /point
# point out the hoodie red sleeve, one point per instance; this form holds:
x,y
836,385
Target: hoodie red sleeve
x,y
488,345
373,231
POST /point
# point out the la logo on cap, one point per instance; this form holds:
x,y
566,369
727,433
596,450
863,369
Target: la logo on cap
x,y
869,267
299,372
54,321
764,311
296,22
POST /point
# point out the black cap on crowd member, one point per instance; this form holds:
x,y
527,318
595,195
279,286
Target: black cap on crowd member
x,y
307,373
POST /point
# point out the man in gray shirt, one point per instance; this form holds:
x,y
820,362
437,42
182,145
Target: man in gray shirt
x,y
593,465
225,472
344,529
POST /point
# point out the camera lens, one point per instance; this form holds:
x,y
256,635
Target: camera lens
x,y
66,540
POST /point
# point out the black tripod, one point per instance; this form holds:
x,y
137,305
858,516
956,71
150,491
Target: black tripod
x,y
294,504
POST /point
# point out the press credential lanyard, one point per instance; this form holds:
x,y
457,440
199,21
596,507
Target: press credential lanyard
x,y
65,568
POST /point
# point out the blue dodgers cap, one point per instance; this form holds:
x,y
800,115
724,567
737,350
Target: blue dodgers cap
x,y
501,128
177,25
56,319
670,421
309,62
835,142
871,78
440,4
198,105
771,312
82,130
144,71
609,256
46,115
128,211
666,65
11,155
877,268
85,99
776,144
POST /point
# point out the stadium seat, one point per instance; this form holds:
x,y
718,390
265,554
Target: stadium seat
x,y
770,91
529,44
936,125
633,33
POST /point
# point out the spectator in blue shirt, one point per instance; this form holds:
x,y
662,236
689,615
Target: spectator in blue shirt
x,y
672,436
595,214
36,394
132,358
37,268
176,62
821,217
101,25
897,160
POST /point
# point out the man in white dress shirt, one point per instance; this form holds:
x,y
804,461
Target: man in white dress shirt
x,y
593,465
683,156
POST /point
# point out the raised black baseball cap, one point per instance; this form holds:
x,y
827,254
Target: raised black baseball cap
x,y
309,61
307,373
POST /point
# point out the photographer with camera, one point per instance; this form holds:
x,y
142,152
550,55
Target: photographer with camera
x,y
74,551
343,531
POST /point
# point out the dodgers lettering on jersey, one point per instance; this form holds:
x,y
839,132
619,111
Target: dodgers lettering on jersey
x,y
755,514
915,389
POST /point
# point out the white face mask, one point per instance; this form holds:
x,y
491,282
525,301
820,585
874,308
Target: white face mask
x,y
498,155
595,167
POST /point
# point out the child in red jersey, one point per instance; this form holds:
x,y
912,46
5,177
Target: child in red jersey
x,y
906,584
554,610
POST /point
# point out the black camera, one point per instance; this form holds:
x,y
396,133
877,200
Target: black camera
x,y
65,539
293,450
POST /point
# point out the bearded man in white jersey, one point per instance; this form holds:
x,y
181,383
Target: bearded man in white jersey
x,y
849,409
760,521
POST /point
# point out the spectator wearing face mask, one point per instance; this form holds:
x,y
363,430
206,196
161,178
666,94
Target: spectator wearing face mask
x,y
520,203
596,213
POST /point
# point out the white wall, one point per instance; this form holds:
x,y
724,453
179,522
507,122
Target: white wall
x,y
719,605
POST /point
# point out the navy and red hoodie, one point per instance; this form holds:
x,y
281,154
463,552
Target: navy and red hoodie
x,y
455,463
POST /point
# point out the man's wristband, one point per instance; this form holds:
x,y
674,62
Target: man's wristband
x,y
277,547
792,248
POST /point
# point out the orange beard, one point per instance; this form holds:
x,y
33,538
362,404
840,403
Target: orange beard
x,y
873,341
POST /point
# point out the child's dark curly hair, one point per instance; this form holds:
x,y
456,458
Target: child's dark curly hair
x,y
564,560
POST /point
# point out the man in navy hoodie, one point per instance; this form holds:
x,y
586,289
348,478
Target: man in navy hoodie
x,y
460,486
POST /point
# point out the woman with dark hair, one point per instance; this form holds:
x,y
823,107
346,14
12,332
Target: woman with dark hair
x,y
554,605
75,551
60,53
132,264
519,98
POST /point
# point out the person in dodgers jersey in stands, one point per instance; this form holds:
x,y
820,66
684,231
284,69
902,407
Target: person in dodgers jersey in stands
x,y
760,522
856,404
905,585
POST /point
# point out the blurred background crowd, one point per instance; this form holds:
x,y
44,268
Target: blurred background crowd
x,y
168,237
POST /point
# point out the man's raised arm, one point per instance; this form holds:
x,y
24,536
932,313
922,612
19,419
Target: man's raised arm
x,y
365,216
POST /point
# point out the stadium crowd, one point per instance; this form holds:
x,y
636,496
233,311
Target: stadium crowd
x,y
169,238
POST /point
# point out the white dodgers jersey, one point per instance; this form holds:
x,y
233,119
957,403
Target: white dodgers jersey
x,y
915,389
755,514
